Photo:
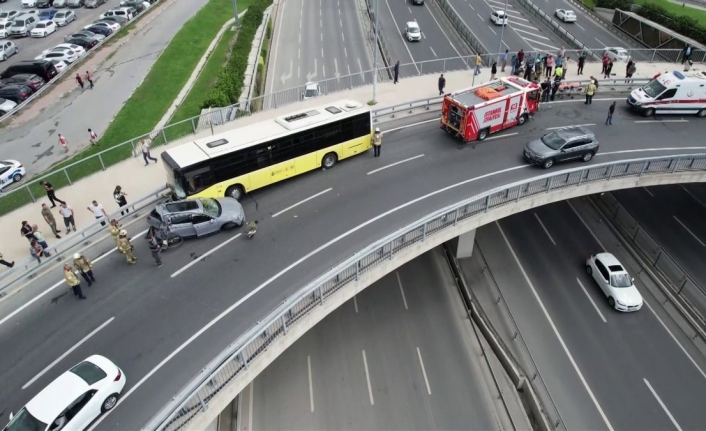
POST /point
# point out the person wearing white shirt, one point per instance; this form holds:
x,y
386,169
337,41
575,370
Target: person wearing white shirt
x,y
98,211
68,213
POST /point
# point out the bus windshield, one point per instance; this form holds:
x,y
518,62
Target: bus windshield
x,y
654,88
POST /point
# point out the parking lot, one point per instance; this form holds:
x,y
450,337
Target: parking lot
x,y
31,47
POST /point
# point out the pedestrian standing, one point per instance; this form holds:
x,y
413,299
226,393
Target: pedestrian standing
x,y
73,281
558,72
503,61
51,193
442,84
521,56
687,54
39,236
146,152
89,78
397,71
590,91
79,80
85,267
64,143
98,211
51,221
611,110
155,248
608,69
68,214
377,142
605,62
631,70
555,88
546,89
92,137
26,231
550,66
6,263
114,228
582,61
529,67
479,63
125,247
493,70
561,53
119,196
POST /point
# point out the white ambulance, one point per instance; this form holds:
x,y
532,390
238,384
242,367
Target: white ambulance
x,y
671,93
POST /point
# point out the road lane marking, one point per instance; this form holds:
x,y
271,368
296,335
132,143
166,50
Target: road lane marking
x,y
692,195
507,135
432,51
367,377
205,255
573,125
555,329
544,228
410,125
311,386
54,286
591,300
660,121
648,191
396,163
579,26
666,410
690,232
481,18
651,150
399,32
491,29
67,353
302,201
600,43
399,283
424,371
355,304
472,8
533,33
525,25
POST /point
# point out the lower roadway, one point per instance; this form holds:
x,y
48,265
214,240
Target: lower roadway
x,y
169,322
400,355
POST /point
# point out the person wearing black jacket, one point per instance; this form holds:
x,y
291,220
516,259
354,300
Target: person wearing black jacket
x,y
582,60
120,199
546,88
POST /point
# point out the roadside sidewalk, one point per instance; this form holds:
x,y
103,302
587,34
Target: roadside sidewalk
x,y
138,180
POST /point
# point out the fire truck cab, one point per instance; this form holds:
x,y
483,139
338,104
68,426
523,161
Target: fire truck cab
x,y
474,113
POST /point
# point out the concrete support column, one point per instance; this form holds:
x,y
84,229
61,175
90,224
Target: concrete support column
x,y
463,245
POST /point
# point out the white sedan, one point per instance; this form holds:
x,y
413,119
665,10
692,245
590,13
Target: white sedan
x,y
6,106
114,26
11,171
617,54
79,50
59,65
614,281
74,400
43,29
68,56
565,15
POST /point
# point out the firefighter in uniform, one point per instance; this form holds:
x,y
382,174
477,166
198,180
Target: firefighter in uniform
x,y
114,228
73,281
85,267
125,247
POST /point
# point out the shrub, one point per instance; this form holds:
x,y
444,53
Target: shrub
x,y
614,4
682,24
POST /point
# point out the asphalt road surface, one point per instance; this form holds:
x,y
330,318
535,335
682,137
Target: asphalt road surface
x,y
158,310
35,143
420,370
604,369
674,217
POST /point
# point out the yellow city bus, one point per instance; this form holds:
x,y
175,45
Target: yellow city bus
x,y
250,157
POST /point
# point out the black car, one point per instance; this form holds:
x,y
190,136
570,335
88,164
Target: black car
x,y
85,43
97,29
18,93
34,82
137,4
41,4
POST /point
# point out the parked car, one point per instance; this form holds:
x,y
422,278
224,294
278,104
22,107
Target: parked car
x,y
75,3
43,29
8,15
46,15
412,31
68,56
5,29
86,44
43,68
59,3
115,19
84,34
59,65
614,281
75,399
112,25
68,46
123,12
498,17
18,93
64,17
11,171
139,6
6,106
7,49
99,30
22,25
565,15
94,3
42,4
197,217
35,82
570,143
29,3
617,54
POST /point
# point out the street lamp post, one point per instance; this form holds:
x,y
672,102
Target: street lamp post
x,y
375,57
502,32
235,11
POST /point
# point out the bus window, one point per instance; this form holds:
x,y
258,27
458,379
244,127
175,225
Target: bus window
x,y
198,180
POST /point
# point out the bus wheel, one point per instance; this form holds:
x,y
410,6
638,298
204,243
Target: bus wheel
x,y
329,160
482,134
236,192
701,113
648,112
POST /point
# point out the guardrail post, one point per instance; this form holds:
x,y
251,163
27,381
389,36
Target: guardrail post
x,y
392,245
30,194
675,163
551,182
644,167
284,323
321,295
519,193
164,136
444,69
456,217
612,170
203,405
581,176
193,126
101,160
357,270
67,176
487,203
424,232
241,358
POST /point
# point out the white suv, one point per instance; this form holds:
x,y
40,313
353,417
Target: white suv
x,y
498,17
412,31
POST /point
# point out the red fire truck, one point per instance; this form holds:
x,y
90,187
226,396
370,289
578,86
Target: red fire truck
x,y
474,113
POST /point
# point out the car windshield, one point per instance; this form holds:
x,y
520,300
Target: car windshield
x,y
413,29
553,140
89,372
654,88
310,92
620,280
211,207
24,421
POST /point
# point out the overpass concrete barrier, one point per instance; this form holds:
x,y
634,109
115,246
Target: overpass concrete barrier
x,y
202,399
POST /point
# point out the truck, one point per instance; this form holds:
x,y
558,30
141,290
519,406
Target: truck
x,y
474,113
671,93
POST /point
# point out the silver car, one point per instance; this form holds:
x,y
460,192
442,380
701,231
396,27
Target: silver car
x,y
7,48
560,145
74,3
94,3
64,17
6,106
197,217
58,4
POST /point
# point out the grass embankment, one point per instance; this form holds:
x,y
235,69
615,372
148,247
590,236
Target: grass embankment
x,y
677,9
591,4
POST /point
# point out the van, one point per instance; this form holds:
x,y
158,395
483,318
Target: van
x,y
671,93
43,68
22,25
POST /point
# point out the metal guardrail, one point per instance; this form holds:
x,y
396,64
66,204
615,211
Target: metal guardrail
x,y
68,69
238,356
29,268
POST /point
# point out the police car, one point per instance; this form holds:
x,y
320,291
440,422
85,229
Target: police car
x,y
11,171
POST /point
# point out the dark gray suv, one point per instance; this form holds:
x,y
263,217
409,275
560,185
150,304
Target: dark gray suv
x,y
570,143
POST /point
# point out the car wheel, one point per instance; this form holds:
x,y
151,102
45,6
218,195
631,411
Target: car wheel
x,y
109,403
548,163
236,192
3,58
589,270
229,226
45,34
16,178
611,302
482,134
588,156
329,160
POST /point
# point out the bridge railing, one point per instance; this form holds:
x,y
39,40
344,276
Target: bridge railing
x,y
195,397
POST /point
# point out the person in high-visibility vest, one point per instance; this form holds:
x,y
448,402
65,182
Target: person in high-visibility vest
x,y
73,281
590,91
